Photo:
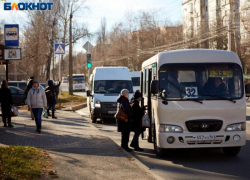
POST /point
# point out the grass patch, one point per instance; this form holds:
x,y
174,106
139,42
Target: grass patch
x,y
68,100
23,162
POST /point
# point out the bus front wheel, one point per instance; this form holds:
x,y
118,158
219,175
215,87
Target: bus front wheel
x,y
160,152
231,151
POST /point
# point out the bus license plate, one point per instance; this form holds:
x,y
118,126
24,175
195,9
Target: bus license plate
x,y
111,112
204,137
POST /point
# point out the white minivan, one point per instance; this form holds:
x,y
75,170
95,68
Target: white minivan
x,y
105,85
136,79
196,99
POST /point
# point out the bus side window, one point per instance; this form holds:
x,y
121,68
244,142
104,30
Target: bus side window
x,y
144,81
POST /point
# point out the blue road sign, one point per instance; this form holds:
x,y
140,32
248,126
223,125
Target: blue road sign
x,y
11,35
59,48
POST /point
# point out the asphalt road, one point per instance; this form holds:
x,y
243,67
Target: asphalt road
x,y
188,164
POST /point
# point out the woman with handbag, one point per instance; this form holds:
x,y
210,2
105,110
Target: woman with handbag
x,y
6,103
138,113
37,100
124,124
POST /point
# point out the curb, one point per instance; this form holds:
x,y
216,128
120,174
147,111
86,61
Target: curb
x,y
75,108
135,160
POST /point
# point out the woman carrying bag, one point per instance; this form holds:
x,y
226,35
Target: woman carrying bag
x,y
138,113
37,100
124,126
6,103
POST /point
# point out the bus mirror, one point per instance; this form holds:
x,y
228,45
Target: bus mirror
x,y
247,89
155,87
89,94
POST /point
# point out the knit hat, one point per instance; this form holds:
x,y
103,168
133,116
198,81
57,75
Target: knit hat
x,y
35,81
137,95
124,92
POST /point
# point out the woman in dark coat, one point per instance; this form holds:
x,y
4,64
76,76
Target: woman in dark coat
x,y
51,97
138,113
125,127
6,103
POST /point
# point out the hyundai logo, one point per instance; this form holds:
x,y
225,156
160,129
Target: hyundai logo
x,y
204,126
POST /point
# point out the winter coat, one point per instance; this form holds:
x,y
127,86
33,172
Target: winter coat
x,y
138,113
36,98
5,99
124,126
52,88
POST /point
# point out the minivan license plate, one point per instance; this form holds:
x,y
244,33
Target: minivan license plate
x,y
204,137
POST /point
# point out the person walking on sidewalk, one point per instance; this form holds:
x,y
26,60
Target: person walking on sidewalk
x,y
37,100
125,127
28,87
51,97
138,113
6,103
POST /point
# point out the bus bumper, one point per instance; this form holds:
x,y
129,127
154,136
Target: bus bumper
x,y
186,140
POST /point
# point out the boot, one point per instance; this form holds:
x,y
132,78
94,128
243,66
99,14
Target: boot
x,y
48,112
53,115
9,123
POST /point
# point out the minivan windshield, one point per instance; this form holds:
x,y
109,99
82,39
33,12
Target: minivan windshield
x,y
136,81
112,86
201,81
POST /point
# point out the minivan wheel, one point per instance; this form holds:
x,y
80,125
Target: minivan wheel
x,y
231,151
160,152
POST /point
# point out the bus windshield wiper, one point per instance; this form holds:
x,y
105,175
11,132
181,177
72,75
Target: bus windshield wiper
x,y
219,96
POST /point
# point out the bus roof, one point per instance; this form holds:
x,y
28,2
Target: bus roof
x,y
193,56
111,73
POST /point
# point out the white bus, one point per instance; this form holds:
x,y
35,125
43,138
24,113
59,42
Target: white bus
x,y
195,99
79,82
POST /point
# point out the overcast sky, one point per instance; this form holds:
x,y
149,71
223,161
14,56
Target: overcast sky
x,y
112,10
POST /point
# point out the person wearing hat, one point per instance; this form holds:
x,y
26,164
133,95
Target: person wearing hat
x,y
6,103
36,101
125,127
138,112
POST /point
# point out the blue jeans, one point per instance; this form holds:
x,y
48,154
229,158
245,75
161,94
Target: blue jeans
x,y
38,116
52,107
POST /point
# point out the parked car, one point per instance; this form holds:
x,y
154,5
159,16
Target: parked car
x,y
17,95
20,84
23,84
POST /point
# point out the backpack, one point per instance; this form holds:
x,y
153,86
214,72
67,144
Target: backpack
x,y
48,94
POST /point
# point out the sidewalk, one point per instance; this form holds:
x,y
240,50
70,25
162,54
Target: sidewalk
x,y
78,149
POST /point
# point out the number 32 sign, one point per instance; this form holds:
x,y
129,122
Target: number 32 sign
x,y
191,92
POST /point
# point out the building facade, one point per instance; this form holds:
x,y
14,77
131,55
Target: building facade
x,y
206,23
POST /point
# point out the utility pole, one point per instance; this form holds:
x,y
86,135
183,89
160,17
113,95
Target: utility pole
x,y
229,34
70,57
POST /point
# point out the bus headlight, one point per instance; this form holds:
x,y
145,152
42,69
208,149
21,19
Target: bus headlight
x,y
236,127
97,104
170,128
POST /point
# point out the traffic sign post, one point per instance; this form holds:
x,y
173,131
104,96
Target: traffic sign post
x,y
11,35
60,50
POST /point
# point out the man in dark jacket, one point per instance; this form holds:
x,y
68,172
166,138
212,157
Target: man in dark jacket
x,y
6,103
51,97
125,127
138,113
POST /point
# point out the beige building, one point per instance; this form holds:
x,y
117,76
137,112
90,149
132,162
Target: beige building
x,y
206,22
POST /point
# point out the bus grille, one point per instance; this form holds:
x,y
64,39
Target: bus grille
x,y
110,105
204,125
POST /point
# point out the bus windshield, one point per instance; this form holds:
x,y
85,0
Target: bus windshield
x,y
112,86
78,79
211,81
